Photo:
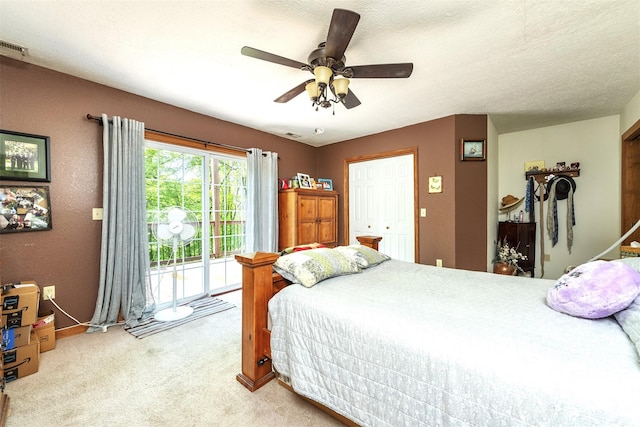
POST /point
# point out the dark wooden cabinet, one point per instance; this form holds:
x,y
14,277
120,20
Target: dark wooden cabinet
x,y
523,236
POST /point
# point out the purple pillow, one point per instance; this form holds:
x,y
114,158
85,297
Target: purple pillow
x,y
595,290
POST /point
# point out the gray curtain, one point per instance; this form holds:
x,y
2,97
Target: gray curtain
x,y
124,261
262,201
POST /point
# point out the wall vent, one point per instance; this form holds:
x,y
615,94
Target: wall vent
x,y
13,48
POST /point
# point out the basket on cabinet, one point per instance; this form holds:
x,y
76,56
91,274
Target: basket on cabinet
x,y
629,252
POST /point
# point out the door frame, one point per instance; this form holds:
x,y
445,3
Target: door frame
x,y
630,205
377,156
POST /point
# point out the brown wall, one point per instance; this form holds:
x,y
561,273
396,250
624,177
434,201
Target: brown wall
x,y
454,229
44,102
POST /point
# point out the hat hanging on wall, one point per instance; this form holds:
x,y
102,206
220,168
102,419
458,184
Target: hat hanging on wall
x,y
563,184
509,202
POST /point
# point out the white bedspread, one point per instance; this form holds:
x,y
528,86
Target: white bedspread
x,y
405,344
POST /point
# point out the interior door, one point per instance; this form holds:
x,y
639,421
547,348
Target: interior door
x,y
381,203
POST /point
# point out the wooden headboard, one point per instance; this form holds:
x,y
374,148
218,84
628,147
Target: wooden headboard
x,y
259,284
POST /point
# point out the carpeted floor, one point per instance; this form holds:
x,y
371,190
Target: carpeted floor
x,y
201,307
184,376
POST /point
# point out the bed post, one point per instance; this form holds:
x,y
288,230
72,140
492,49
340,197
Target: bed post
x,y
371,241
257,289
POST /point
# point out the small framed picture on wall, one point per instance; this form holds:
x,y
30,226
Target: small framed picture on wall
x,y
473,149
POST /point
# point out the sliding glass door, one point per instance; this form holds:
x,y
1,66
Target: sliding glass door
x,y
212,189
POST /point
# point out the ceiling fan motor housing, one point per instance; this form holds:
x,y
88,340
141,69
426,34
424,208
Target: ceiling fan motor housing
x,y
317,58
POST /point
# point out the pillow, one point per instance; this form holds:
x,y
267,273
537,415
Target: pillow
x,y
595,290
301,248
629,319
633,262
362,255
314,265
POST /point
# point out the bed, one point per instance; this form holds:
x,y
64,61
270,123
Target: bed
x,y
408,344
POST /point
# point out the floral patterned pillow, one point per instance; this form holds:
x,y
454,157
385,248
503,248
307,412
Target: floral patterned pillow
x,y
315,265
362,255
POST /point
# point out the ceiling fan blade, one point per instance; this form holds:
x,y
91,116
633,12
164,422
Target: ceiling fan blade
x,y
343,24
270,57
350,100
401,71
288,96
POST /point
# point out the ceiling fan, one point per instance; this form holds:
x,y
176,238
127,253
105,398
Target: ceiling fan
x,y
328,62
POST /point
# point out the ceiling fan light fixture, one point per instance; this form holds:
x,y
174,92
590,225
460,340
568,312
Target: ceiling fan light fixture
x,y
312,90
323,75
341,86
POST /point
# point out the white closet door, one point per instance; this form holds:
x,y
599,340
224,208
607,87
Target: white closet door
x,y
381,204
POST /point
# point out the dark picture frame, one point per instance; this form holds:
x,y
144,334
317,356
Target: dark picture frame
x,y
24,208
327,183
473,149
24,157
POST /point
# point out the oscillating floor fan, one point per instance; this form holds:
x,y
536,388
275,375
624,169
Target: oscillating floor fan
x,y
175,227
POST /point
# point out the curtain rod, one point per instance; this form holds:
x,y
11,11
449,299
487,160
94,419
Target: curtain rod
x,y
215,144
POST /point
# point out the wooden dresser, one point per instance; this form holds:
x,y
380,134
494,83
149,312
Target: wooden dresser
x,y
307,216
523,236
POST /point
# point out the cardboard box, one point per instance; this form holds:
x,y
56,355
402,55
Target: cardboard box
x,y
45,330
22,361
16,337
20,304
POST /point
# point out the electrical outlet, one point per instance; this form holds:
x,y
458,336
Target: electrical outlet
x,y
438,262
547,257
48,292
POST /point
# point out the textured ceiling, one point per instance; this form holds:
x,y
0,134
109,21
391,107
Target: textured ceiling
x,y
528,63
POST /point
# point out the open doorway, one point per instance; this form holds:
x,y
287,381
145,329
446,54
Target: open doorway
x,y
630,186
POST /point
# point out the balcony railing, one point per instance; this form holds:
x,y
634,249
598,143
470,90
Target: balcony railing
x,y
226,239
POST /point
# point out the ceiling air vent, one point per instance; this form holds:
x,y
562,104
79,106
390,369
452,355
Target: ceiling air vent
x,y
293,135
7,48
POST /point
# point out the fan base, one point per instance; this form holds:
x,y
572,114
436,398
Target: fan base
x,y
171,314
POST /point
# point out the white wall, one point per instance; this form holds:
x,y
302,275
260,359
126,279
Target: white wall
x,y
631,114
492,191
596,145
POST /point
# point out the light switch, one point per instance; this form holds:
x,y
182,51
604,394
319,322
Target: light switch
x,y
423,212
97,214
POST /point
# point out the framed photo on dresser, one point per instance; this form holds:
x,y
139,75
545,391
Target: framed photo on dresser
x,y
304,180
327,183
